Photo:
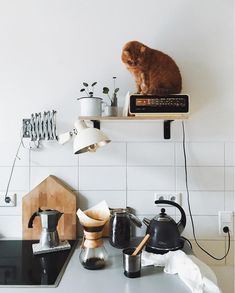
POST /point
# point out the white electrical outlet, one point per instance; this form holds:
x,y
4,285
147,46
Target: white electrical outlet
x,y
10,203
225,219
172,196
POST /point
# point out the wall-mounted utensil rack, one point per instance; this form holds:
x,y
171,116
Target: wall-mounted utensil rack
x,y
167,119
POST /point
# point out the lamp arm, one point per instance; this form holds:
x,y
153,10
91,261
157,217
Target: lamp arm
x,y
65,137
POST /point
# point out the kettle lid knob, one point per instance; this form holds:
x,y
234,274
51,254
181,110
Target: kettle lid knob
x,y
163,212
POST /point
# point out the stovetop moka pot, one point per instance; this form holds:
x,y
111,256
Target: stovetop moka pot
x,y
165,233
49,219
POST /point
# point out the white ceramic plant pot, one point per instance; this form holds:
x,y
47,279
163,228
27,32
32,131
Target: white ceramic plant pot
x,y
90,106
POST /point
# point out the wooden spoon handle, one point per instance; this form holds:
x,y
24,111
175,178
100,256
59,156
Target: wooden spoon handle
x,y
141,245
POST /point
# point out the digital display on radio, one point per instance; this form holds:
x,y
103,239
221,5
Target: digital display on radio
x,y
159,104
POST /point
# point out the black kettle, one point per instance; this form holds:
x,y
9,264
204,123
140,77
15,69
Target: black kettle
x,y
164,231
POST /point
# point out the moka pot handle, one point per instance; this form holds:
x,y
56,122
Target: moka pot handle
x,y
34,215
182,222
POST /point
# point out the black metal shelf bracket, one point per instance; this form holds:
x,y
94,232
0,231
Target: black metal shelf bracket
x,y
96,124
167,129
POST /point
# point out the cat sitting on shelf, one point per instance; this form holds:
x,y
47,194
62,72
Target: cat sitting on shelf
x,y
154,71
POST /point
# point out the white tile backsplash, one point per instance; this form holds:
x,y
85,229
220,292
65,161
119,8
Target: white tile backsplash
x,y
203,202
229,154
229,201
102,178
148,154
201,178
150,178
127,172
53,154
114,198
201,154
229,178
67,174
8,153
19,181
206,227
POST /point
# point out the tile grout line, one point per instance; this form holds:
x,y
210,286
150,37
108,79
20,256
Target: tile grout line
x,y
78,175
29,170
126,176
225,242
224,178
175,174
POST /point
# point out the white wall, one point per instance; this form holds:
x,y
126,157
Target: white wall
x,y
48,48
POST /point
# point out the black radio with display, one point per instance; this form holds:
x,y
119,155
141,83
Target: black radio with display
x,y
150,105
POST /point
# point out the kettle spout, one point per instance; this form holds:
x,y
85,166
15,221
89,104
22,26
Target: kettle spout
x,y
146,221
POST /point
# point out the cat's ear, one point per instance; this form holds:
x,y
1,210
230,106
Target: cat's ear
x,y
126,53
142,49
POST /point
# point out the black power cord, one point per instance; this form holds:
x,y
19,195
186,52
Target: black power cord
x,y
7,198
225,229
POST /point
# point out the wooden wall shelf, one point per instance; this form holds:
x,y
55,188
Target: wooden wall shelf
x,y
167,119
182,116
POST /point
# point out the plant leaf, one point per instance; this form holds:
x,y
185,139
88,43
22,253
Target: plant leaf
x,y
94,83
105,90
116,90
85,84
82,90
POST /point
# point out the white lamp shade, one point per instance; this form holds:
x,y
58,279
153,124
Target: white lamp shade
x,y
88,139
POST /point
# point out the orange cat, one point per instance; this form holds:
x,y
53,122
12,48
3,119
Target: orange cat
x,y
154,71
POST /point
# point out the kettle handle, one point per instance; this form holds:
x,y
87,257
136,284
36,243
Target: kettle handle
x,y
35,214
182,222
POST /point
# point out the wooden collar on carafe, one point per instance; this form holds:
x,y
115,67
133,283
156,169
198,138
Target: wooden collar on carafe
x,y
93,236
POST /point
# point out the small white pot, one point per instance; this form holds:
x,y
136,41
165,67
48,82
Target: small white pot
x,y
90,106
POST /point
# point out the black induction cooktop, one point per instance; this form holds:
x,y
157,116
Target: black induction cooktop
x,y
19,267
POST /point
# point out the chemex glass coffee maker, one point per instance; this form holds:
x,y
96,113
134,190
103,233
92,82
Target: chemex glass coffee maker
x,y
93,255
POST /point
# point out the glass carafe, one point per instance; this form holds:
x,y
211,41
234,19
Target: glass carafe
x,y
93,255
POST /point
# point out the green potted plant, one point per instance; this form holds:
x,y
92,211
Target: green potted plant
x,y
112,109
89,105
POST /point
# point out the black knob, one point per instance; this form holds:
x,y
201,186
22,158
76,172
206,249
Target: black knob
x,y
163,211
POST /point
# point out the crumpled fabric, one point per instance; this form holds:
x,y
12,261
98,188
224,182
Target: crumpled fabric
x,y
194,273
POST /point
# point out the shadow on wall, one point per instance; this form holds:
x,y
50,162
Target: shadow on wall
x,y
201,83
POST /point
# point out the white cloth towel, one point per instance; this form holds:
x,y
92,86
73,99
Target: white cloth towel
x,y
194,273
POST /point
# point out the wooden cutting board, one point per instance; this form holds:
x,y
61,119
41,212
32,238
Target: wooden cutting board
x,y
51,193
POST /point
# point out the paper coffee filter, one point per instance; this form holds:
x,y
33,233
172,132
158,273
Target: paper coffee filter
x,y
95,216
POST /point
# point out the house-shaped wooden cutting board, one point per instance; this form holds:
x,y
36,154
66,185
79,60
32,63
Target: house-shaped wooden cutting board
x,y
51,193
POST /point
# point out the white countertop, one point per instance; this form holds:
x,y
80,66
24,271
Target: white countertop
x,y
110,279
